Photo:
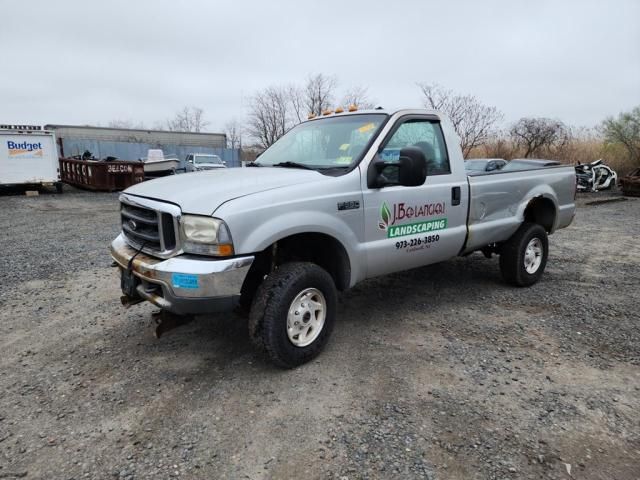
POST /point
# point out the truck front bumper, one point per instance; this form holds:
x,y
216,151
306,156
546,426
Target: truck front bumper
x,y
184,284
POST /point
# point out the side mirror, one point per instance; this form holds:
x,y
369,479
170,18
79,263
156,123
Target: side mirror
x,y
190,160
409,171
413,167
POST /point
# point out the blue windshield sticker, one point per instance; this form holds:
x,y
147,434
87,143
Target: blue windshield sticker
x,y
390,154
184,280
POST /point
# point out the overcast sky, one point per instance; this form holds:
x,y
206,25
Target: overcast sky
x,y
95,61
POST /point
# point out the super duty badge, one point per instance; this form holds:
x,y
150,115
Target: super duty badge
x,y
352,205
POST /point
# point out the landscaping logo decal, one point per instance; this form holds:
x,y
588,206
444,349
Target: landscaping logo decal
x,y
402,212
384,215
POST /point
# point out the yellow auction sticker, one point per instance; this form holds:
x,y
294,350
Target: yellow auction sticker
x,y
365,128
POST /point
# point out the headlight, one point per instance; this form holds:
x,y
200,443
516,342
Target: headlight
x,y
205,236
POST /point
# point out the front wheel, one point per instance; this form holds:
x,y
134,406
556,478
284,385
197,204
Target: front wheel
x,y
293,313
524,256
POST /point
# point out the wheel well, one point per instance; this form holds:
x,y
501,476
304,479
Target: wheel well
x,y
319,248
542,211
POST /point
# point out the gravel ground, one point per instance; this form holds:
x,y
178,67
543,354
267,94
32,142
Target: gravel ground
x,y
442,372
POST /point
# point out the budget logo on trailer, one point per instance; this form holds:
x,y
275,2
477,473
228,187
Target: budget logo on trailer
x,y
401,212
24,149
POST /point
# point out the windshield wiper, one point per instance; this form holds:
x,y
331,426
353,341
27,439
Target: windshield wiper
x,y
336,167
293,165
253,164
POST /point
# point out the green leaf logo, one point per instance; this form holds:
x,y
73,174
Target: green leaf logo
x,y
385,215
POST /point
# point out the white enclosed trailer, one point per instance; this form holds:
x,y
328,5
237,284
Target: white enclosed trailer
x,y
28,156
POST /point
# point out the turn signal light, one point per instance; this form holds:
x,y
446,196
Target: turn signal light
x,y
353,108
225,250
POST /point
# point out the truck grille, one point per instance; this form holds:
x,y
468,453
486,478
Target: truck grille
x,y
151,229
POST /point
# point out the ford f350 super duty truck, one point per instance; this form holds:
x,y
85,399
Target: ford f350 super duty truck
x,y
338,199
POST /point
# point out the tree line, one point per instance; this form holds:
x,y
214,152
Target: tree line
x,y
187,119
273,110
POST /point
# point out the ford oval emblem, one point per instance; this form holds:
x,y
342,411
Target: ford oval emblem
x,y
132,224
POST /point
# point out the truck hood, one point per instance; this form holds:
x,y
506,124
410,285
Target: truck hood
x,y
201,193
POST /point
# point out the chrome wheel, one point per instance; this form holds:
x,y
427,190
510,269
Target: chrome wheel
x,y
533,255
306,317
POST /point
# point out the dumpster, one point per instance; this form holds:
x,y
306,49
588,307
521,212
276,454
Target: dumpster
x,y
100,175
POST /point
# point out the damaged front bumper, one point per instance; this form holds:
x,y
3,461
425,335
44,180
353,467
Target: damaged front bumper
x,y
184,284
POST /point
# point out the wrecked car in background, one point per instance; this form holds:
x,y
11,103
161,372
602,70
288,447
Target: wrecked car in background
x,y
594,176
630,184
484,164
529,164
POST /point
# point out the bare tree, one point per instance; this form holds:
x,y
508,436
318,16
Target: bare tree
x,y
128,124
234,134
536,134
189,119
625,130
297,103
273,110
319,93
358,96
472,120
269,115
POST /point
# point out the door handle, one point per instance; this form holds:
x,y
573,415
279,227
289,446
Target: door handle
x,y
456,193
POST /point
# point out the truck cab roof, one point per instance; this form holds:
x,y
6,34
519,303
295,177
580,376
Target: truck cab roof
x,y
383,111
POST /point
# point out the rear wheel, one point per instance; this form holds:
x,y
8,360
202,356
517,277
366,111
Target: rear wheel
x,y
524,256
293,313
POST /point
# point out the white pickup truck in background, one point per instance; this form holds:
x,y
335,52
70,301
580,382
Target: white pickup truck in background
x,y
196,162
336,200
28,156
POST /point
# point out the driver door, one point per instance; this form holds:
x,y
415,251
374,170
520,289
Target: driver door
x,y
407,227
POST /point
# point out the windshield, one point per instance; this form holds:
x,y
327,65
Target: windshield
x,y
208,159
333,142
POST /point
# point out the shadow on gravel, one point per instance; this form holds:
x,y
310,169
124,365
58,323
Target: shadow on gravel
x,y
16,190
223,339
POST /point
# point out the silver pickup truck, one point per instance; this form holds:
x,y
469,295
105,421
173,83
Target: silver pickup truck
x,y
338,199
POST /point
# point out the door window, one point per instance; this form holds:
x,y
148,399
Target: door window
x,y
425,135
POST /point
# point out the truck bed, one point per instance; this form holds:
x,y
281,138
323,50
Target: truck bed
x,y
497,201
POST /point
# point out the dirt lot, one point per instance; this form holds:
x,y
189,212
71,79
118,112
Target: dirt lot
x,y
442,372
